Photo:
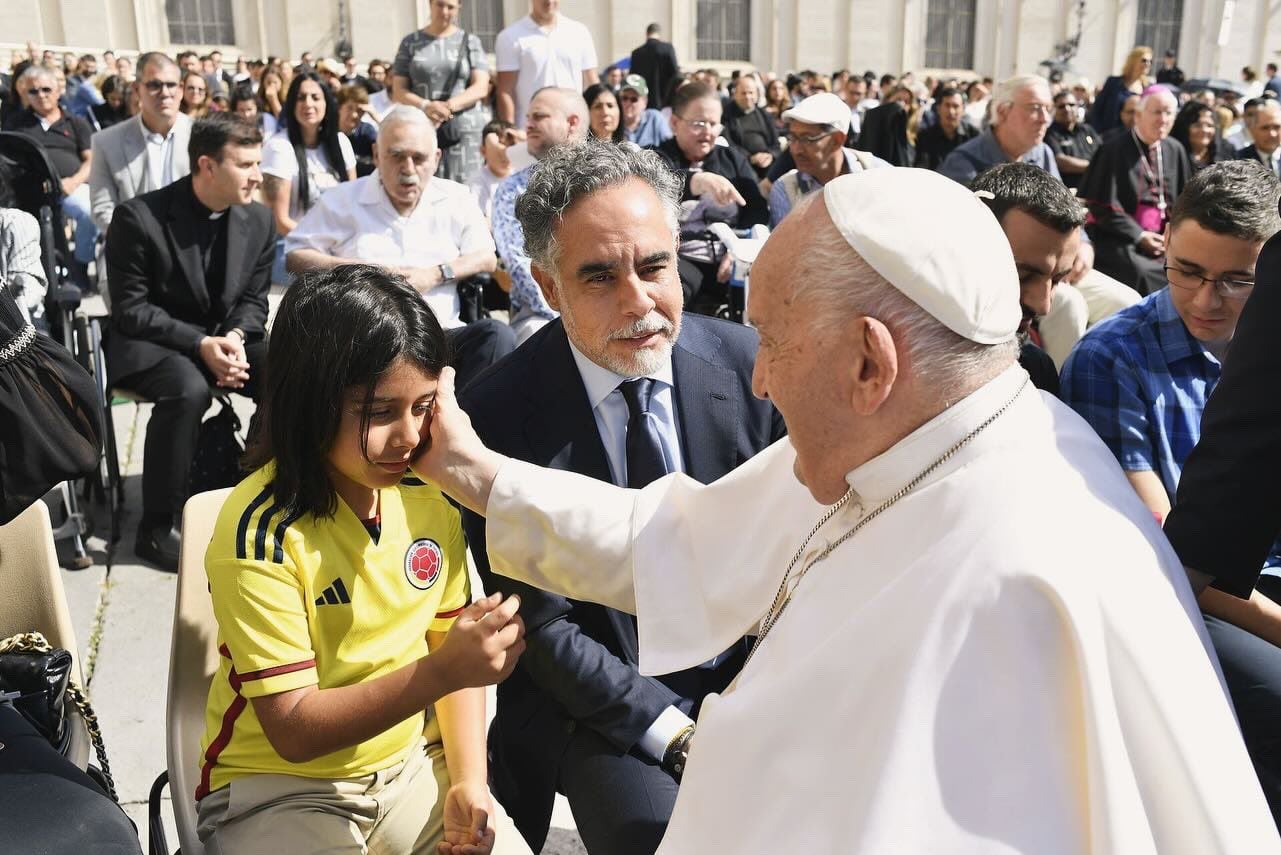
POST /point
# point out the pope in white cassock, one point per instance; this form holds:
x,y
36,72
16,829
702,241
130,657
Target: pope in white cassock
x,y
986,645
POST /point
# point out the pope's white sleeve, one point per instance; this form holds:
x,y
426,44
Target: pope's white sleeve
x,y
562,532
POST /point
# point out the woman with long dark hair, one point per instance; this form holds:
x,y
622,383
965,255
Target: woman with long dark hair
x,y
308,156
1196,128
605,121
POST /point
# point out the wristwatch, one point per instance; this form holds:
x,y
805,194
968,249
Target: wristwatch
x,y
677,753
446,273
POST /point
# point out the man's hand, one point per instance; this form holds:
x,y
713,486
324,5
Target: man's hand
x,y
1082,265
716,186
450,455
423,279
762,159
224,356
1151,244
483,644
467,827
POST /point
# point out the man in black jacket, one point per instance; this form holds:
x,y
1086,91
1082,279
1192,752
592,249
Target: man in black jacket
x,y
189,268
720,186
656,62
622,388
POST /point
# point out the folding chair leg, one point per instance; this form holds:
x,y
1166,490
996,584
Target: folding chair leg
x,y
73,528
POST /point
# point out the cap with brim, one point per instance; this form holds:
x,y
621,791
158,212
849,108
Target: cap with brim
x,y
823,108
934,241
635,81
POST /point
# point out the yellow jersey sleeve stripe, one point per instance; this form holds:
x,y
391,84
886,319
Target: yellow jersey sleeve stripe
x,y
242,528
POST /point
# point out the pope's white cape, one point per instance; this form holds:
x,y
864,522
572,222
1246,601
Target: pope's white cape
x,y
1007,660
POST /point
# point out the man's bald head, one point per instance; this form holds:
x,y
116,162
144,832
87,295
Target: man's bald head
x,y
555,117
412,118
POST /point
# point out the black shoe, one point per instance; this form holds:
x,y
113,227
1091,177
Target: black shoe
x,y
159,546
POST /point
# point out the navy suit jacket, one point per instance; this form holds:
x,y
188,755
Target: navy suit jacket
x,y
579,669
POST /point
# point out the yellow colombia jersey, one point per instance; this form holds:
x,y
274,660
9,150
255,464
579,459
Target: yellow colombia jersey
x,y
317,601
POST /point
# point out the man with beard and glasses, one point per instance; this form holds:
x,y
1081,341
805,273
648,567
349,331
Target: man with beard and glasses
x,y
429,230
624,389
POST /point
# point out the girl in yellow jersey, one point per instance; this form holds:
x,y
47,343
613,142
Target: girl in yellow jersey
x,y
348,714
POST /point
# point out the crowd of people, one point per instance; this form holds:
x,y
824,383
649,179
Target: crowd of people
x,y
1106,239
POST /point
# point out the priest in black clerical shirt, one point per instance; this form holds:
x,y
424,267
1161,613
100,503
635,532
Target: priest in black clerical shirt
x,y
189,268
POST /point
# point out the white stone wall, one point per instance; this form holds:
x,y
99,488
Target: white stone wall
x,y
1011,36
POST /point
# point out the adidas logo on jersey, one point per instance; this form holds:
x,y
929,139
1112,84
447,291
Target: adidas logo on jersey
x,y
335,594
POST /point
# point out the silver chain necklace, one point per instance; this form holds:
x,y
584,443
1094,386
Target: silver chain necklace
x,y
785,592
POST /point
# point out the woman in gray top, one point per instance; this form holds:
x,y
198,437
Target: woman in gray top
x,y
424,68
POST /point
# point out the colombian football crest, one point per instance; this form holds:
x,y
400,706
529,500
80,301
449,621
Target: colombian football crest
x,y
423,561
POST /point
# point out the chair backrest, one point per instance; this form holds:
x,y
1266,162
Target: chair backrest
x,y
34,600
193,662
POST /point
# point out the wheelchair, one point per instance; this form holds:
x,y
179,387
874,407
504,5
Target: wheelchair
x,y
37,186
728,301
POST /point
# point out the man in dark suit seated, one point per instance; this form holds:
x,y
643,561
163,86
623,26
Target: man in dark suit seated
x,y
189,268
622,388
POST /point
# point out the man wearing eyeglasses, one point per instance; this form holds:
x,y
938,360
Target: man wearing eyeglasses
x,y
65,139
817,128
144,153
1142,379
1020,116
1074,142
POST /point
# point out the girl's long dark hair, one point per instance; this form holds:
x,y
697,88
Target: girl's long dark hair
x,y
327,134
336,330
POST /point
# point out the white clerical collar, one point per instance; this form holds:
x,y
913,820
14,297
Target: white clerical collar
x,y
601,382
887,473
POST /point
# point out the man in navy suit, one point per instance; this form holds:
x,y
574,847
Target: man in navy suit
x,y
624,389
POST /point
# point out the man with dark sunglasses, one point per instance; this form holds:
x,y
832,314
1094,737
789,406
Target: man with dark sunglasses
x,y
1142,379
146,152
65,139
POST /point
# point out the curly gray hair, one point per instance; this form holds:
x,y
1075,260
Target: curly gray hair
x,y
570,172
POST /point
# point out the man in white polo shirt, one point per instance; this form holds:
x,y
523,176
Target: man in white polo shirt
x,y
429,230
542,49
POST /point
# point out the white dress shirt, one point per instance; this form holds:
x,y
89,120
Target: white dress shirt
x,y
356,220
611,414
159,158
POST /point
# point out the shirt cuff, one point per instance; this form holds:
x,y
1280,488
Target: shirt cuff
x,y
660,734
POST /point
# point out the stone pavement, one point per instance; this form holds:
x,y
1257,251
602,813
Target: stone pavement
x,y
123,627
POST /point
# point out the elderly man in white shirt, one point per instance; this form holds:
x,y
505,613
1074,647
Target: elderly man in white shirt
x,y
430,230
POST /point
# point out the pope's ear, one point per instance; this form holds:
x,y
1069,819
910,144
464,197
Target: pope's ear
x,y
874,367
546,284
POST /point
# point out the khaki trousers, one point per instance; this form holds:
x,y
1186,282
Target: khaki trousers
x,y
1074,309
395,811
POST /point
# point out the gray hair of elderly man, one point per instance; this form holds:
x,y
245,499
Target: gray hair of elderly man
x,y
33,73
570,172
1007,89
838,284
403,114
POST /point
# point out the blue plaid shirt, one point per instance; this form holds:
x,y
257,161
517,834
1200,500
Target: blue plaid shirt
x,y
526,297
1141,380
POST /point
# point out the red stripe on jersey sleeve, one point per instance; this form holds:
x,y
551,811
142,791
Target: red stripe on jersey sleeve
x,y
451,613
277,670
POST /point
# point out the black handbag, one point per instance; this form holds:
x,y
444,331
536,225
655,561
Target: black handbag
x,y
36,678
448,134
40,680
216,463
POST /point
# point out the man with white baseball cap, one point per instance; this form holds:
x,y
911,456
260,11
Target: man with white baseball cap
x,y
817,128
943,662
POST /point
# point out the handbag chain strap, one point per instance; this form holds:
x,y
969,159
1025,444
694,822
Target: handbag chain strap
x,y
34,642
